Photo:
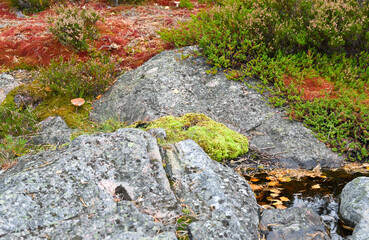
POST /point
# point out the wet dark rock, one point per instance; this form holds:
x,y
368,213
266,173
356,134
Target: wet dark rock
x,y
76,192
167,85
222,201
7,83
53,131
158,133
354,207
293,223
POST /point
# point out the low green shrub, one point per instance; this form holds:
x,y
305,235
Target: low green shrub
x,y
186,4
238,32
16,122
10,149
77,78
30,6
299,39
74,26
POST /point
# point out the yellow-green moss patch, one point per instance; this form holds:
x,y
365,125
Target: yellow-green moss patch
x,y
218,141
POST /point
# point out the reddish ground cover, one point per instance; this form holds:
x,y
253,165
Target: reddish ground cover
x,y
313,87
128,32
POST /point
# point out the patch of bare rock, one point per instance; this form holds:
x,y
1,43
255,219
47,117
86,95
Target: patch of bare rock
x,y
175,83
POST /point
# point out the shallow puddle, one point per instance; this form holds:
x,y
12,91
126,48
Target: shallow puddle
x,y
318,189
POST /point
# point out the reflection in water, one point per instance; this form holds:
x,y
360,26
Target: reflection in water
x,y
327,208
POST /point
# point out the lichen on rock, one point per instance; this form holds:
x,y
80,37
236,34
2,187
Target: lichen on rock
x,y
218,141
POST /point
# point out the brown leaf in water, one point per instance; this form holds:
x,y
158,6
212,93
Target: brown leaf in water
x,y
254,179
284,199
275,190
316,186
273,183
274,195
255,187
281,207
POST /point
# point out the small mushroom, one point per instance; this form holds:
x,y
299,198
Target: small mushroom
x,y
177,3
77,102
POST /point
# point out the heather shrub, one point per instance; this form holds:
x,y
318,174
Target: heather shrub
x,y
30,6
239,31
77,78
16,122
74,26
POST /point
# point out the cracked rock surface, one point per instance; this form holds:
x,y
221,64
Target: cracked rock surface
x,y
222,200
105,185
175,83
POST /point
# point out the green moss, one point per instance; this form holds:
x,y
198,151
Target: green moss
x,y
218,141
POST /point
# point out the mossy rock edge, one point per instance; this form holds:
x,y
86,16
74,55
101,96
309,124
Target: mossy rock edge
x,y
218,141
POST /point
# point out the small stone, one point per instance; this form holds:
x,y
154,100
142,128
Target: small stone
x,y
158,133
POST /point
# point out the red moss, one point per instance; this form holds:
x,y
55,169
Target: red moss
x,y
313,87
5,12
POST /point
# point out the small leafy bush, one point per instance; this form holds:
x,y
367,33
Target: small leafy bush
x,y
16,122
30,6
239,31
77,78
186,4
74,26
11,148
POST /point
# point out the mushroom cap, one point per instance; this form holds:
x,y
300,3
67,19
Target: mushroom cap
x,y
77,102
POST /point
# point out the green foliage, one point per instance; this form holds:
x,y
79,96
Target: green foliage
x,y
186,4
73,26
218,141
78,78
11,148
16,122
271,40
241,30
30,6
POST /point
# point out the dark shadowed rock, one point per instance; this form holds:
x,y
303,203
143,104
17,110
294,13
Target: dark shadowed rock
x,y
166,85
105,186
222,201
52,130
354,207
293,223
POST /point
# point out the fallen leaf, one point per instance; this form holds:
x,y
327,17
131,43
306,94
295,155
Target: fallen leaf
x,y
274,190
59,171
277,202
98,97
47,89
281,207
273,183
254,179
316,186
274,194
347,227
255,187
267,207
284,199
285,179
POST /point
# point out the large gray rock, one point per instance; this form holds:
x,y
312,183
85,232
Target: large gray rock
x,y
52,130
105,186
293,223
166,85
222,201
7,83
354,207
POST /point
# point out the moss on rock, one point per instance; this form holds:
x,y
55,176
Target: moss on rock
x,y
218,141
